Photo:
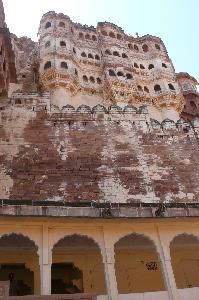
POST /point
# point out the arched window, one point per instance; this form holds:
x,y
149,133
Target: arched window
x,y
112,34
90,56
140,88
136,48
142,67
64,65
146,89
92,79
145,48
129,76
4,65
63,44
83,54
171,87
108,52
97,57
157,46
47,44
85,78
157,88
94,38
120,74
87,36
115,53
164,65
76,72
193,105
81,36
48,25
1,50
124,55
74,51
119,37
99,81
47,65
136,65
130,46
103,32
112,73
151,66
62,24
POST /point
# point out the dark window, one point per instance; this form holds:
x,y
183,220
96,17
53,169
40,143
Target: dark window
x,y
171,87
129,76
62,44
92,79
193,105
17,101
151,66
136,48
111,73
142,67
64,65
1,50
47,65
108,52
112,34
47,44
119,37
81,36
74,51
145,48
164,65
146,89
104,33
94,38
48,25
87,36
115,53
157,88
130,46
120,74
157,46
85,78
90,56
83,54
124,55
99,80
136,65
62,24
76,73
97,57
140,88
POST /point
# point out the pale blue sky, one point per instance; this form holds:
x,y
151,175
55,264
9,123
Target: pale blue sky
x,y
175,21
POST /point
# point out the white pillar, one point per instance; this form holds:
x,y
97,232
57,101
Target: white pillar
x,y
45,264
167,270
109,268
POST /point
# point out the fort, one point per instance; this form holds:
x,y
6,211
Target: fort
x,y
99,173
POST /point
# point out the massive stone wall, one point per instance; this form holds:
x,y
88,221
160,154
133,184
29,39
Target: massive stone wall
x,y
101,154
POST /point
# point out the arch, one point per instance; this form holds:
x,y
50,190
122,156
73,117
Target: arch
x,y
136,66
12,237
81,36
92,79
151,66
62,24
112,34
84,109
142,67
164,65
83,54
90,56
68,108
157,46
130,109
193,104
119,37
145,48
120,74
137,264
108,52
104,33
76,72
184,249
99,108
112,73
87,36
85,78
114,109
143,109
130,46
135,47
140,89
47,44
48,25
168,124
157,88
74,50
97,57
64,65
99,81
94,38
47,65
146,89
129,76
124,55
62,43
116,53
171,87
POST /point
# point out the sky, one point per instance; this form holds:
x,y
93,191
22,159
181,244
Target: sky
x,y
175,21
